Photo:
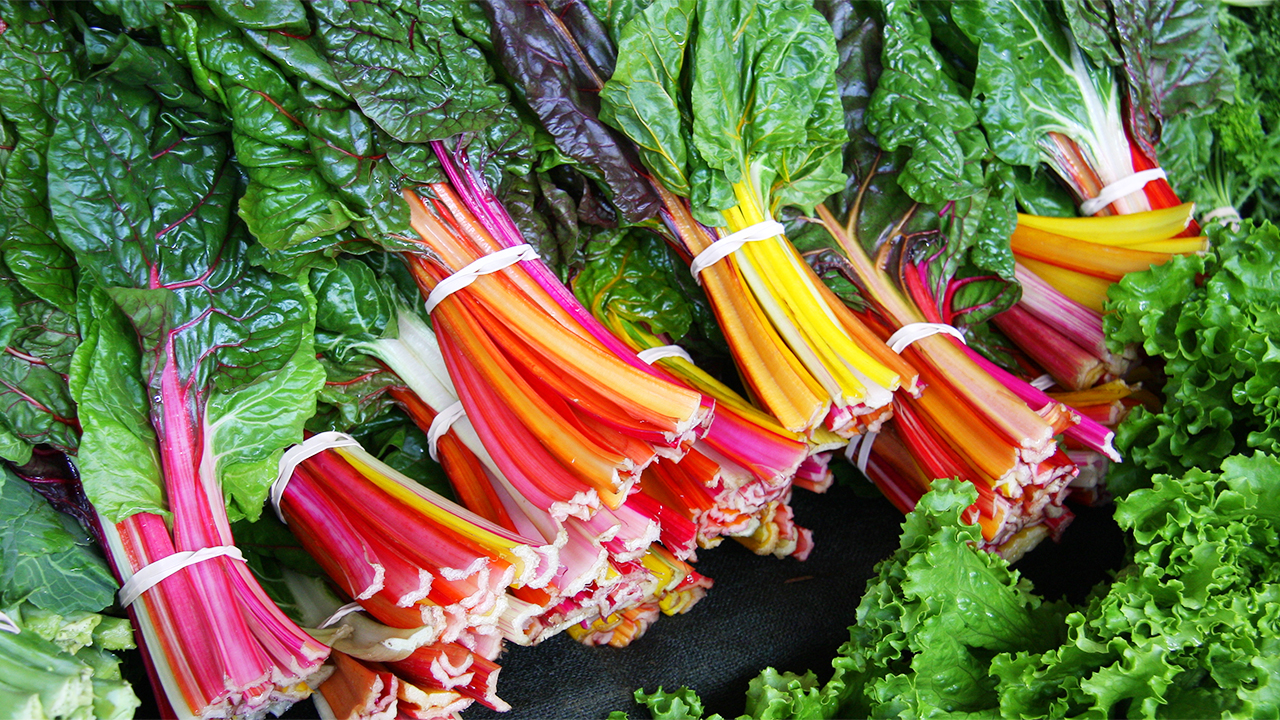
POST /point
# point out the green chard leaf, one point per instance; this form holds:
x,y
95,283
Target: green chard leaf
x,y
37,58
631,280
643,97
117,458
408,69
1032,79
152,223
37,341
917,105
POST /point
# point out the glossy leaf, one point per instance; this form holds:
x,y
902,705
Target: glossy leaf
x,y
37,58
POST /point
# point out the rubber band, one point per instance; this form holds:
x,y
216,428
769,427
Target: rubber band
x,y
8,625
1118,189
858,451
294,456
1044,382
1226,211
153,574
727,245
654,354
340,613
491,263
441,424
912,332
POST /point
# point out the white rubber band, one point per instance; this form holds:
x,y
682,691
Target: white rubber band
x,y
727,245
1226,211
504,258
153,574
654,354
912,332
294,456
858,451
8,625
340,613
1120,188
441,424
1044,382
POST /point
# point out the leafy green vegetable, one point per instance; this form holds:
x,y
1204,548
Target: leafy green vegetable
x,y
927,628
631,279
1212,318
148,213
749,97
46,558
37,58
118,441
36,342
1185,630
48,674
917,105
1032,79
1171,54
404,64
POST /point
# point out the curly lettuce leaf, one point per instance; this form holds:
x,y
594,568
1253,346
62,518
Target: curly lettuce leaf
x,y
1211,318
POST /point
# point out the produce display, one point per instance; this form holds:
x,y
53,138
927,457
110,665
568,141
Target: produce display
x,y
349,345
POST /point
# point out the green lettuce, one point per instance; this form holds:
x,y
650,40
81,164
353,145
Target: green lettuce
x,y
1211,318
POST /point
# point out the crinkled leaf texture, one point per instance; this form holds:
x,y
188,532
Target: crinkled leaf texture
x,y
715,92
147,207
36,59
407,68
46,558
1213,318
36,342
1188,629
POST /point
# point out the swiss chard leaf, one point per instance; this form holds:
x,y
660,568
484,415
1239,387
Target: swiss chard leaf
x,y
408,69
631,279
559,58
147,208
1032,79
642,98
917,105
117,457
37,58
36,344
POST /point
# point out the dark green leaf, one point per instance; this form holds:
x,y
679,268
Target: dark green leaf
x,y
46,558
408,69
37,58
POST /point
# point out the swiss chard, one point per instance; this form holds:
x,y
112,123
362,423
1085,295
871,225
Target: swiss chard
x,y
36,59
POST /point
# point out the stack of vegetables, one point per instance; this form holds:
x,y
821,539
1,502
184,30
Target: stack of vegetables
x,y
219,223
